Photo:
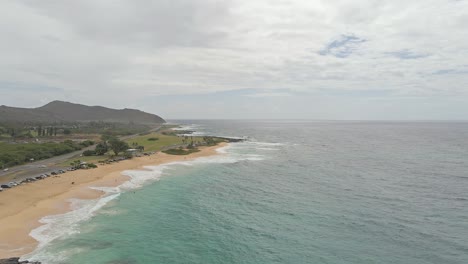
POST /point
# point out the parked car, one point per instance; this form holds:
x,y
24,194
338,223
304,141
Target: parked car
x,y
1,189
6,186
13,183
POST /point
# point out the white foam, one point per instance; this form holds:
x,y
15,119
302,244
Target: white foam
x,y
57,226
267,143
187,127
224,150
60,226
194,128
272,149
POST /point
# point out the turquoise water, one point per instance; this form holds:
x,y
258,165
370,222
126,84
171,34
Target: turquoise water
x,y
295,192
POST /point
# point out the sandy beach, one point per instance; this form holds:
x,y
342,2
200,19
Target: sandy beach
x,y
22,207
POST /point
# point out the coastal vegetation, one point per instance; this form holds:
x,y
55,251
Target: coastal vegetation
x,y
78,164
46,141
212,141
59,128
163,141
17,154
14,132
180,151
117,145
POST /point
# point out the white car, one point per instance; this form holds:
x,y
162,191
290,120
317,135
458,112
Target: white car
x,y
6,169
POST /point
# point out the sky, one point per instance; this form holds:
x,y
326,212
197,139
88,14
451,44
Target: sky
x,y
240,59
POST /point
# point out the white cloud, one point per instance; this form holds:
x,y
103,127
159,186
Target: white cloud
x,y
122,51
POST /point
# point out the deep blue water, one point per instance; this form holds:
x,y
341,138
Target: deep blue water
x,y
295,192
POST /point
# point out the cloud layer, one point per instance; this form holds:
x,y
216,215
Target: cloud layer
x,y
354,60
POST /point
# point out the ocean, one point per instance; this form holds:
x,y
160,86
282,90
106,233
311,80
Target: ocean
x,y
293,192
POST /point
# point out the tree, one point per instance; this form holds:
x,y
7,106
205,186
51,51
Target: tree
x,y
67,131
101,148
76,164
117,145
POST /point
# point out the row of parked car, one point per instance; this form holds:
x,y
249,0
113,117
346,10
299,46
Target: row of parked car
x,y
30,179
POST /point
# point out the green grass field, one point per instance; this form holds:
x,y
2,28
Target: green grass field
x,y
162,142
88,159
156,145
150,145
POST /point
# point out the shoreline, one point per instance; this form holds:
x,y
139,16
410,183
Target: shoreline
x,y
22,208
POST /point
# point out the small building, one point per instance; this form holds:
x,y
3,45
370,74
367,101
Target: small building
x,y
134,152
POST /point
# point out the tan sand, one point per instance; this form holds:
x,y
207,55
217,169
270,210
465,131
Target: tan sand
x,y
22,207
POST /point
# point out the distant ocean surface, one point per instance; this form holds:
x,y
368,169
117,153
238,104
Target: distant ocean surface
x,y
294,192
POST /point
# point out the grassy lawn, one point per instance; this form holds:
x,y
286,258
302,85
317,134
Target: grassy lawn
x,y
147,141
155,145
89,159
150,145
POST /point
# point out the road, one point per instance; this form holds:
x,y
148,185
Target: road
x,y
39,167
36,168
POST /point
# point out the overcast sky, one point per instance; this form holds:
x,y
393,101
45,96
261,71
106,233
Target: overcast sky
x,y
314,59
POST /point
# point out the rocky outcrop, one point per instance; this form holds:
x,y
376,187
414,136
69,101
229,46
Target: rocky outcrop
x,y
17,261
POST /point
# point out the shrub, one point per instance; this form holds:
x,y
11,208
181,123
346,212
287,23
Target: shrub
x,y
76,164
87,143
117,146
128,155
101,148
153,139
180,151
92,165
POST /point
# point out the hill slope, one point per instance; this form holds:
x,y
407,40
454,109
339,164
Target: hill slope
x,y
59,111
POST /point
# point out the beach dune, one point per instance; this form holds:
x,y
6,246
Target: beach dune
x,y
22,207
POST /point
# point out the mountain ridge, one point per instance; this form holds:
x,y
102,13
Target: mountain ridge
x,y
61,111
